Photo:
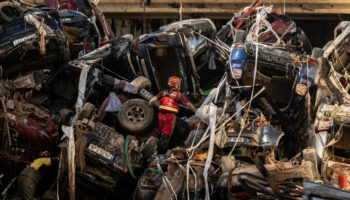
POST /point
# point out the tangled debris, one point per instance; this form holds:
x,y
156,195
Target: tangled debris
x,y
76,122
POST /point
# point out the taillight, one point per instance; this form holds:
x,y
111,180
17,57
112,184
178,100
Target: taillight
x,y
301,89
261,123
102,43
242,195
343,80
237,73
323,125
86,48
313,62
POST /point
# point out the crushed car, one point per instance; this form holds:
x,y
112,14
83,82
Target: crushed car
x,y
271,121
266,27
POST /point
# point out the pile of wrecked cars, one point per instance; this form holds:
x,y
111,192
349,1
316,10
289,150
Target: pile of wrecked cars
x,y
75,123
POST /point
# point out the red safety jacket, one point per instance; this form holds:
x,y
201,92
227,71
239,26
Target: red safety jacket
x,y
169,104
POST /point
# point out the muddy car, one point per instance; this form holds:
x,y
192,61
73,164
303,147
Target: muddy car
x,y
103,161
330,123
84,23
274,28
27,131
276,85
9,12
209,58
162,54
37,40
288,79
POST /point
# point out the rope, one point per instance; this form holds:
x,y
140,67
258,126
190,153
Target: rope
x,y
6,125
41,43
223,47
308,93
127,157
151,172
255,69
232,116
180,10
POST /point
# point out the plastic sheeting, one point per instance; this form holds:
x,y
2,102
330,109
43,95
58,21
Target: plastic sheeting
x,y
212,125
114,103
81,88
130,88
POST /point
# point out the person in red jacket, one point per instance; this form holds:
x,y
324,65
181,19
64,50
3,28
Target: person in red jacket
x,y
169,107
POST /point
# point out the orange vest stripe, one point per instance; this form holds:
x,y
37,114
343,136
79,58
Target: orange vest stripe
x,y
168,108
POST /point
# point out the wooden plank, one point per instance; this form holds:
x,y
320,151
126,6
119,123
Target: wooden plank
x,y
222,8
266,2
290,9
230,1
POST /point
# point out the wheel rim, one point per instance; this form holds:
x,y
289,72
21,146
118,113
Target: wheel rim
x,y
136,114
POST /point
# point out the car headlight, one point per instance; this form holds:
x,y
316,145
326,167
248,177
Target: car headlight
x,y
237,73
301,89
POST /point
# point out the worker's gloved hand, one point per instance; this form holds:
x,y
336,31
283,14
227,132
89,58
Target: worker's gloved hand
x,y
163,143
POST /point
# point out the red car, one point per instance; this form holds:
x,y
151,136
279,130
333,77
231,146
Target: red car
x,y
31,132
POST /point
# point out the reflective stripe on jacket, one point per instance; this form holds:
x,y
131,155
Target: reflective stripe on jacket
x,y
169,104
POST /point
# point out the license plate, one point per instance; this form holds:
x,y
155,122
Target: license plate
x,y
23,39
145,94
100,151
235,139
66,19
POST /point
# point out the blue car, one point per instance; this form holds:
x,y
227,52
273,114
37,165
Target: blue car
x,y
289,80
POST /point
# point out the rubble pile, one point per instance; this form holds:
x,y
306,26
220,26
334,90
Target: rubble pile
x,y
80,116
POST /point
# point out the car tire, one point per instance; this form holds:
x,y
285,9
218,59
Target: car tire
x,y
135,116
141,82
87,111
240,36
9,12
317,52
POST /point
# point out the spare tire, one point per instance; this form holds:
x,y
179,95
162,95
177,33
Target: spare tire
x,y
135,116
141,83
9,12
